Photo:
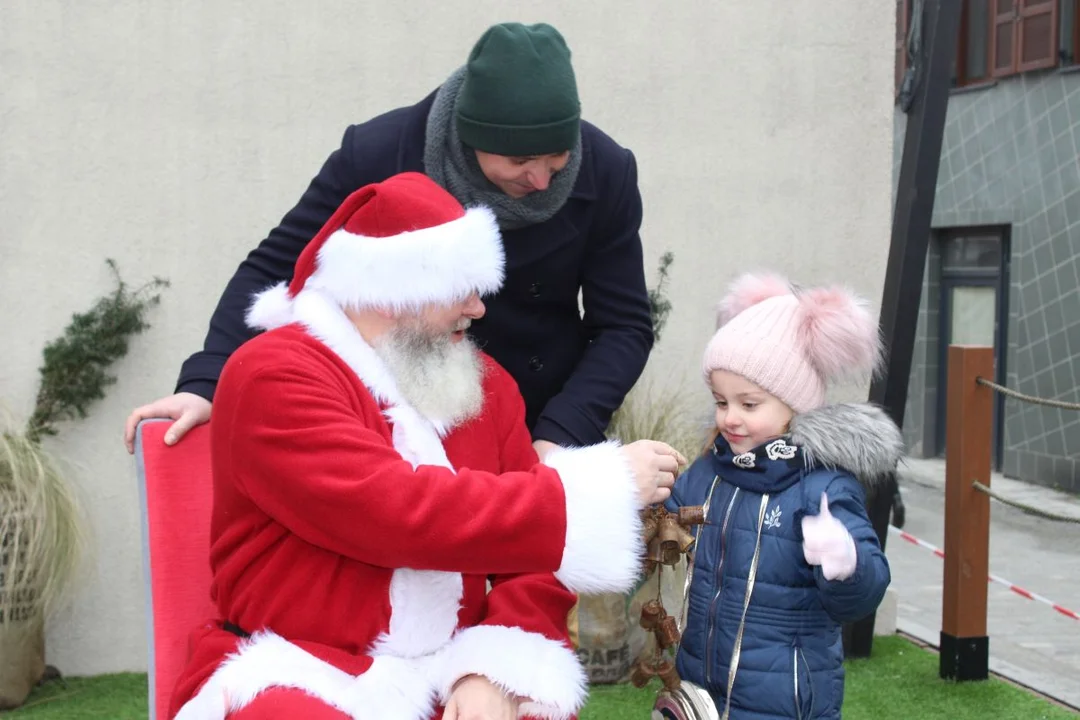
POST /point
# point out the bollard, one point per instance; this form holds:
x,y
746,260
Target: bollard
x,y
968,416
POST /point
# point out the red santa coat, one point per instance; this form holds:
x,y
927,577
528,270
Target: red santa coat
x,y
346,541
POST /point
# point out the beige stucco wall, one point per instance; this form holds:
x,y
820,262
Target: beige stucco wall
x,y
172,136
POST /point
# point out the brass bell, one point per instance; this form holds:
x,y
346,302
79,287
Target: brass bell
x,y
652,613
671,555
670,536
642,674
692,515
685,539
668,675
654,551
649,527
667,632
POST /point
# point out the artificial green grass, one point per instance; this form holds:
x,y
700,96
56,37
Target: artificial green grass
x,y
899,681
102,697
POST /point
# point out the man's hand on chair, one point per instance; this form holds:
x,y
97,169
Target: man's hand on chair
x,y
187,409
474,697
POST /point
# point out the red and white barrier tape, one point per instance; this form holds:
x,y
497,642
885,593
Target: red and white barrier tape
x,y
992,578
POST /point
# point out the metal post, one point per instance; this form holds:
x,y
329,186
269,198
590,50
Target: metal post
x,y
940,23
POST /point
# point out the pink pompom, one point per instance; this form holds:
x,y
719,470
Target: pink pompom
x,y
839,334
748,290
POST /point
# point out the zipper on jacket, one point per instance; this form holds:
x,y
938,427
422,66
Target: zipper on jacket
x,y
809,682
797,656
691,562
719,586
736,653
795,675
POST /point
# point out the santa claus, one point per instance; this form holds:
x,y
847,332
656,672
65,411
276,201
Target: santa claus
x,y
384,542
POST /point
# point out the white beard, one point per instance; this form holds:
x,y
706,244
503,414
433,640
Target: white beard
x,y
440,379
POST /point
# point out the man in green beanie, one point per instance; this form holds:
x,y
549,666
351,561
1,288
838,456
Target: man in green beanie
x,y
505,131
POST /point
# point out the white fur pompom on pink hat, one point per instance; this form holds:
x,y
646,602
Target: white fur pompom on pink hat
x,y
793,342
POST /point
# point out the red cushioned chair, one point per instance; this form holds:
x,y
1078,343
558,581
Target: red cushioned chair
x,y
175,495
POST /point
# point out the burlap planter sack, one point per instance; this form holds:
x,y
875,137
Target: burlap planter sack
x,y
606,628
22,661
22,636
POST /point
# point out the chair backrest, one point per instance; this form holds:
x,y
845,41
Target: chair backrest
x,y
176,496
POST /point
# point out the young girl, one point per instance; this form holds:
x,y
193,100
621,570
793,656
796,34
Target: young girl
x,y
787,553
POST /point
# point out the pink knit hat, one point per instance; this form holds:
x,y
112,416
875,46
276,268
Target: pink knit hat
x,y
793,342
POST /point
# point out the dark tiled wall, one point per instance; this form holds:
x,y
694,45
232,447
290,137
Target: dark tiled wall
x,y
1010,157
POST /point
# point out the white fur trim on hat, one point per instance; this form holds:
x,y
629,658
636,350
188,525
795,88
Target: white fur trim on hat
x,y
436,265
441,264
270,308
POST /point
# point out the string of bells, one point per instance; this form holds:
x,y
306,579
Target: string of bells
x,y
667,539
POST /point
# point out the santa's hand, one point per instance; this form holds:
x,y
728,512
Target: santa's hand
x,y
654,465
826,542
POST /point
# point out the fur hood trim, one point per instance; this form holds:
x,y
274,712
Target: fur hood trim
x,y
857,437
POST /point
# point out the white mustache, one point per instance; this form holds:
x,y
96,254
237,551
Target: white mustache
x,y
463,325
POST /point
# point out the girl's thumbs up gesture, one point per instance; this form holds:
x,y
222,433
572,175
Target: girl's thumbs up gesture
x,y
826,542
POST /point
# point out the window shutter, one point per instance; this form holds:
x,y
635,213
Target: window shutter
x,y
903,15
973,45
1037,35
1076,31
959,63
1024,37
1003,38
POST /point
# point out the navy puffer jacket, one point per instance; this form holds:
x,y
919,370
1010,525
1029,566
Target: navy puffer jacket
x,y
789,659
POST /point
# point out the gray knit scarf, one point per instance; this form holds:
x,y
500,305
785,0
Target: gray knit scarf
x,y
452,165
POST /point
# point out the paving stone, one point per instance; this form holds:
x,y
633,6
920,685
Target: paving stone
x,y
1029,642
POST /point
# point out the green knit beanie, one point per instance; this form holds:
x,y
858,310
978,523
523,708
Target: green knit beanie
x,y
519,96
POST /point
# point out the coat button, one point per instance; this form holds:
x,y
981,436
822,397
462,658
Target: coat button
x,y
534,289
536,364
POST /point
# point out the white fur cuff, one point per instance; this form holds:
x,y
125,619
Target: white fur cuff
x,y
524,664
603,547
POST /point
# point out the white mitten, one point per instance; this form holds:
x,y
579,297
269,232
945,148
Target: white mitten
x,y
826,542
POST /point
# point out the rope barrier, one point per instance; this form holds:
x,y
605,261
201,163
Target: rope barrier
x,y
1060,404
991,578
1031,510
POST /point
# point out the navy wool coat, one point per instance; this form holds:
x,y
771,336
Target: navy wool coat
x,y
573,370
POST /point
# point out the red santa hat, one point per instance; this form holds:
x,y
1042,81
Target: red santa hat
x,y
396,245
